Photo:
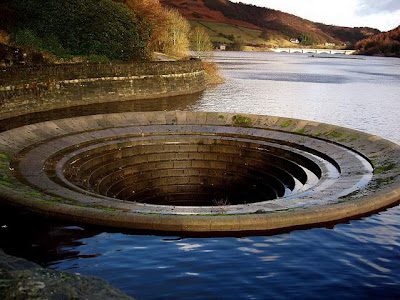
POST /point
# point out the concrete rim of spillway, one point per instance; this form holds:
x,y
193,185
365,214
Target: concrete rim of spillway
x,y
197,171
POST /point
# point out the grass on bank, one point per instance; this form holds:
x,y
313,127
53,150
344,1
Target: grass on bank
x,y
224,33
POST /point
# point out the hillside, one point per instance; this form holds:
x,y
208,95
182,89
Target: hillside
x,y
383,44
272,27
198,10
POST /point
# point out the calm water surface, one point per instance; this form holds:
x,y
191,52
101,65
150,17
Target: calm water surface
x,y
357,259
355,93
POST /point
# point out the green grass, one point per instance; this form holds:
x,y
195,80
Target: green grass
x,y
214,29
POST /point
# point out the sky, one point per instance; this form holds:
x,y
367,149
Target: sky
x,y
381,14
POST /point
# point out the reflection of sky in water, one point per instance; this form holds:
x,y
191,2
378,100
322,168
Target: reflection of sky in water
x,y
298,77
360,94
357,259
188,247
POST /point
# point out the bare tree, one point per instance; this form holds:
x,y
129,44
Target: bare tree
x,y
200,41
177,31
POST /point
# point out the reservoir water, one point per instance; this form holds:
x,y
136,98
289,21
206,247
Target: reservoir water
x,y
359,258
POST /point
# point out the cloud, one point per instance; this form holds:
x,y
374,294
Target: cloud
x,y
371,7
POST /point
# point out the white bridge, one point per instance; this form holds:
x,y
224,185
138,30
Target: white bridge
x,y
313,51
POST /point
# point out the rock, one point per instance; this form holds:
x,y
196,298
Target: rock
x,y
10,55
21,279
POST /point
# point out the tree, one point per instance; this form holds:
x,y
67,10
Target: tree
x,y
200,41
386,43
237,45
307,39
175,39
81,27
168,29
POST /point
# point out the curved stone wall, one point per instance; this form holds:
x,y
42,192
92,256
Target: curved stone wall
x,y
30,89
197,171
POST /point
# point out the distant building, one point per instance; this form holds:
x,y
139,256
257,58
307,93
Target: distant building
x,y
295,41
221,47
330,44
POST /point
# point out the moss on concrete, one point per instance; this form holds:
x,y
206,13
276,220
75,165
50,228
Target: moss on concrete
x,y
241,120
300,131
316,134
286,123
333,134
387,166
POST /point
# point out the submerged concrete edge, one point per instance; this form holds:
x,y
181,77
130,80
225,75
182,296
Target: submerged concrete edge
x,y
227,223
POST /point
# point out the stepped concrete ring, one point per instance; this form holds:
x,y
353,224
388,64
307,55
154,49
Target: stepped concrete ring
x,y
197,171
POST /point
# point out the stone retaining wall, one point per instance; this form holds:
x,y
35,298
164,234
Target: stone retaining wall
x,y
30,89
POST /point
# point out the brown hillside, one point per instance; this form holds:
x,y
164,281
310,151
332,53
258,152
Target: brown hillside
x,y
197,10
277,23
386,43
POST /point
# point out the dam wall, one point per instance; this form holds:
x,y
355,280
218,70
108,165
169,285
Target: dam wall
x,y
29,89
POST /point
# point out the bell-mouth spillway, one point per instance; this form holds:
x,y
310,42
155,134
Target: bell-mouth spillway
x,y
197,171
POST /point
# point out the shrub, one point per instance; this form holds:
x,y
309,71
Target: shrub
x,y
81,27
98,58
26,37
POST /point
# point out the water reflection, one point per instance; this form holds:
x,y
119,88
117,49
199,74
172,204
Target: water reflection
x,y
298,77
30,236
364,252
160,104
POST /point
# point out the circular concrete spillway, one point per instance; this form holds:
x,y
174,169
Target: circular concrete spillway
x,y
197,171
